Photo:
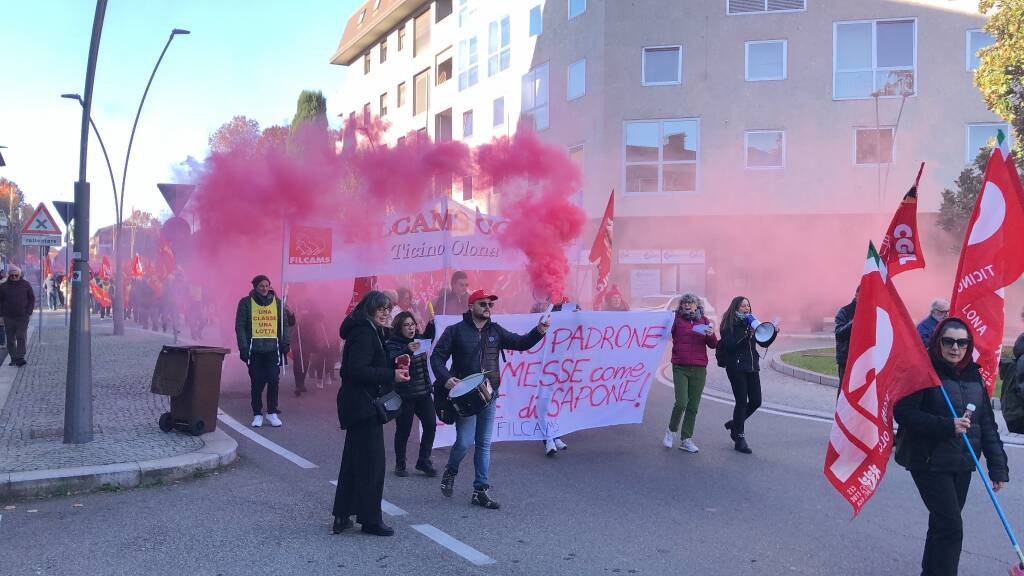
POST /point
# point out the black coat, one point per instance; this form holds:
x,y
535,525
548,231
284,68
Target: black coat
x,y
418,385
926,440
472,350
739,348
366,372
844,327
243,327
17,300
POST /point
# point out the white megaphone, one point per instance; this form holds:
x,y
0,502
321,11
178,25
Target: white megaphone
x,y
764,332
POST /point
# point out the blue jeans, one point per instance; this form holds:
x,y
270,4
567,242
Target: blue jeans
x,y
478,428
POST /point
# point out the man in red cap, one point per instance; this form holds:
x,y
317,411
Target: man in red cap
x,y
474,346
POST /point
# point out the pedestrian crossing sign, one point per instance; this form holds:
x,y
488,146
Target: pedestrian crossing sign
x,y
41,223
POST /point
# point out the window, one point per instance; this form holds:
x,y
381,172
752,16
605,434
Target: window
x,y
874,57
982,136
661,156
872,147
366,63
401,38
367,114
443,126
765,149
400,98
383,104
466,12
420,92
762,6
976,40
536,22
766,60
467,124
376,4
499,111
383,50
662,65
362,16
468,69
577,84
577,7
535,96
467,188
443,66
442,9
421,32
498,52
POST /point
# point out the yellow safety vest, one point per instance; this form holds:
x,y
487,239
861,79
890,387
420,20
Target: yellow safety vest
x,y
264,319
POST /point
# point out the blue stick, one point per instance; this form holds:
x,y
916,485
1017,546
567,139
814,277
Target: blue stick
x,y
984,480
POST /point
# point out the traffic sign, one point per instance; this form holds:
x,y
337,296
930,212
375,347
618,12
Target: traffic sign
x,y
41,224
66,210
35,240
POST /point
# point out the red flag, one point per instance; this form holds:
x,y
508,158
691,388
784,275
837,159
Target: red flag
x,y
137,270
990,260
362,285
601,251
887,362
102,295
165,261
105,268
47,267
901,248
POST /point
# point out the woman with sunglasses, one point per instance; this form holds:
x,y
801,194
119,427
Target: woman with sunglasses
x,y
415,393
930,443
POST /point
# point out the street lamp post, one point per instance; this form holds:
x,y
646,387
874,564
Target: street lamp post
x,y
78,389
118,252
96,131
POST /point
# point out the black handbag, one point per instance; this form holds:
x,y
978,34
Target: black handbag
x,y
387,406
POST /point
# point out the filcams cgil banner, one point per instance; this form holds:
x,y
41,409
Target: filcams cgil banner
x,y
592,369
442,235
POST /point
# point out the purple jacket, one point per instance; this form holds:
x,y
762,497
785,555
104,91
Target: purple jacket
x,y
688,347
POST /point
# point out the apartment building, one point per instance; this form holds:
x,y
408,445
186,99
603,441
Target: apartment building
x,y
713,120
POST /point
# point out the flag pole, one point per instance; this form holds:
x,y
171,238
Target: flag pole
x,y
984,480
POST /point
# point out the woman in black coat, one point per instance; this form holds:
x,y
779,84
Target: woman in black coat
x,y
930,443
366,374
415,393
740,359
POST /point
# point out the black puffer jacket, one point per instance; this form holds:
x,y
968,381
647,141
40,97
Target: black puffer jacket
x,y
418,385
366,372
739,348
926,440
472,350
844,328
243,327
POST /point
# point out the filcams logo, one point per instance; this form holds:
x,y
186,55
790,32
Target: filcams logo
x,y
309,245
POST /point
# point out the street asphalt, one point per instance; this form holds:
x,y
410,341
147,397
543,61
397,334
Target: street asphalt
x,y
615,502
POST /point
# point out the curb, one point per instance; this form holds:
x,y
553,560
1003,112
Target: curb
x,y
776,363
218,451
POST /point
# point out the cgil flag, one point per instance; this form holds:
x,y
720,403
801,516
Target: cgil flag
x,y
601,252
901,248
991,259
886,363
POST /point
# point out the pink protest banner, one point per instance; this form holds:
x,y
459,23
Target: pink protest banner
x,y
592,369
442,235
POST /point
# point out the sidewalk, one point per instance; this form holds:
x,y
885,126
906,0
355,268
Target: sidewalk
x,y
128,448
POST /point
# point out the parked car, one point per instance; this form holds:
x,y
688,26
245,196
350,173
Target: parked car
x,y
671,302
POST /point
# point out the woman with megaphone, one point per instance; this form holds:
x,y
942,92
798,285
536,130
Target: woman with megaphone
x,y
737,353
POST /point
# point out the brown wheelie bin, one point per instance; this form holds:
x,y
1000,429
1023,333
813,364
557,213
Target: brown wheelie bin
x,y
190,375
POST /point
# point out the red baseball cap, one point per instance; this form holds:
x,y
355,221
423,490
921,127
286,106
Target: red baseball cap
x,y
481,295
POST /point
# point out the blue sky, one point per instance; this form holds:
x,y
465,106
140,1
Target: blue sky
x,y
243,57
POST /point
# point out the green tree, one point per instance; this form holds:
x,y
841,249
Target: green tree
x,y
11,196
957,205
1000,76
309,125
238,133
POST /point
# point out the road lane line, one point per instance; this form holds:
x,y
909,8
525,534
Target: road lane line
x,y
462,549
385,506
275,448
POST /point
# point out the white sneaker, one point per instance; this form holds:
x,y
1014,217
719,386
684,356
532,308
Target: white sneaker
x,y
274,420
257,421
549,447
687,445
561,445
669,439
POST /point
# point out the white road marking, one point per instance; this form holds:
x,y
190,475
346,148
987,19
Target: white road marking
x,y
275,448
385,506
462,549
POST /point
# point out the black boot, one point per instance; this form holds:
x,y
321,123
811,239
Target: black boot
x,y
732,433
448,482
341,524
741,444
427,467
381,529
400,470
483,499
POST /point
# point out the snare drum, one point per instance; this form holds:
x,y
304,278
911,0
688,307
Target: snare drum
x,y
471,395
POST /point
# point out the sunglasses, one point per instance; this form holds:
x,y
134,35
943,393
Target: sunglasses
x,y
408,325
949,342
485,303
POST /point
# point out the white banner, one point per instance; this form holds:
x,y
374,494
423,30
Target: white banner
x,y
592,369
443,235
